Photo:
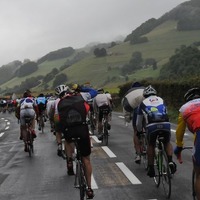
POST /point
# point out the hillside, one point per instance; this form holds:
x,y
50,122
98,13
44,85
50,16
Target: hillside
x,y
165,35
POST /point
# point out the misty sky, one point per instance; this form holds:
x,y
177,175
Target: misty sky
x,y
33,28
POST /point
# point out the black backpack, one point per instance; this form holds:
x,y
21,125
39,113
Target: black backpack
x,y
72,111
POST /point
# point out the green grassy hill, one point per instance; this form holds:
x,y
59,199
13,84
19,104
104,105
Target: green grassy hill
x,y
105,71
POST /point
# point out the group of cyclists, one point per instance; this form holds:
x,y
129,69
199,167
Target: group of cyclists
x,y
69,106
148,114
68,112
7,105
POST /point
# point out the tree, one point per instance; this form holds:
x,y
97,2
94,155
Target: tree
x,y
26,69
100,52
59,79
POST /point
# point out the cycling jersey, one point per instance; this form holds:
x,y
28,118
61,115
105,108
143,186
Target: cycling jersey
x,y
153,109
189,115
41,100
154,112
26,103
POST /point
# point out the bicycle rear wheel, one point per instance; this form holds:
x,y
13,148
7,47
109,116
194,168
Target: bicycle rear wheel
x,y
105,135
143,151
193,185
157,164
30,144
166,175
82,183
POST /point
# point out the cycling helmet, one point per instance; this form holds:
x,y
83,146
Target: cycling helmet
x,y
100,91
148,91
60,89
191,94
136,84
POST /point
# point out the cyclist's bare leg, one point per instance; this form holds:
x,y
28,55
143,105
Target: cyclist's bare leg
x,y
136,141
69,149
197,183
100,127
88,170
150,153
169,150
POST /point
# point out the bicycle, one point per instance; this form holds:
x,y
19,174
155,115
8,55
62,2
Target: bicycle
x,y
29,137
41,121
163,173
80,179
193,172
92,120
105,125
143,149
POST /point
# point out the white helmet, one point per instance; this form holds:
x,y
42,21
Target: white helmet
x,y
60,89
148,91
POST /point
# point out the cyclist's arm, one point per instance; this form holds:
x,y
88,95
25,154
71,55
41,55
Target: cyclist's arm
x,y
91,91
180,130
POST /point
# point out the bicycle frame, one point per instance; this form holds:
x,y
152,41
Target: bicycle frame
x,y
105,130
80,180
163,171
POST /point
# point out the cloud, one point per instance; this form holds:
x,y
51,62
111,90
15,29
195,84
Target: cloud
x,y
31,29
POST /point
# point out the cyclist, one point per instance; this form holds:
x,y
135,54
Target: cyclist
x,y
60,92
130,103
26,107
189,115
79,130
49,111
154,112
41,102
101,101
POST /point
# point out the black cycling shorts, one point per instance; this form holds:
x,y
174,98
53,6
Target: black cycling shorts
x,y
103,110
82,132
158,128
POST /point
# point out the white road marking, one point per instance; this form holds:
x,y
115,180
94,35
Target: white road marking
x,y
95,139
109,152
93,183
7,127
1,134
132,178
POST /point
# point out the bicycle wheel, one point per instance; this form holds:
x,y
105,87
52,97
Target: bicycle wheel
x,y
105,134
92,124
193,185
42,124
166,175
157,165
81,181
30,144
143,150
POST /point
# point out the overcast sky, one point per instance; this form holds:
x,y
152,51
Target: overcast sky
x,y
32,28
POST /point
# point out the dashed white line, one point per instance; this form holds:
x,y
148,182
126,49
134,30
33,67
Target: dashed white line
x,y
109,152
132,178
1,134
93,183
96,139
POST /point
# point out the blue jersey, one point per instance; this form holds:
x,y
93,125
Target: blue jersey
x,y
153,110
41,100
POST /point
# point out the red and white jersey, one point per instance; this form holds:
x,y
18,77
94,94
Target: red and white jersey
x,y
190,112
